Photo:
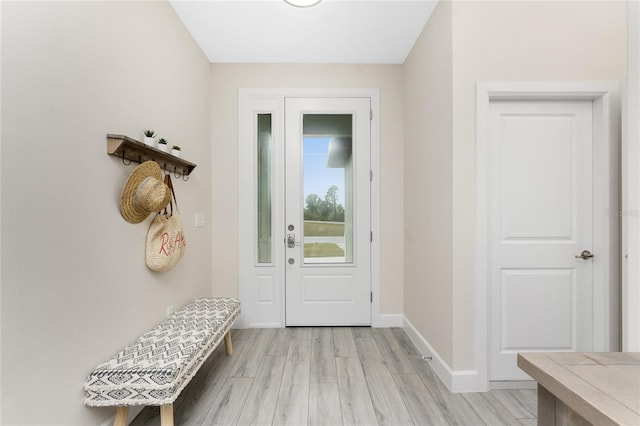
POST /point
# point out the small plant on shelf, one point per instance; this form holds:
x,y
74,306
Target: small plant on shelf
x,y
162,144
149,137
176,150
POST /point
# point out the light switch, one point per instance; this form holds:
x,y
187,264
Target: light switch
x,y
200,220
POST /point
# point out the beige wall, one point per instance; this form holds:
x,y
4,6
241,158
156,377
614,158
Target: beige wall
x,y
428,126
478,41
226,79
75,288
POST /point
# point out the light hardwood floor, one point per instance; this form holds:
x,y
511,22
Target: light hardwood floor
x,y
333,376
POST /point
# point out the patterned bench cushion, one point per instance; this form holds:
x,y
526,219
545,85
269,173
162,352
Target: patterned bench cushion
x,y
155,369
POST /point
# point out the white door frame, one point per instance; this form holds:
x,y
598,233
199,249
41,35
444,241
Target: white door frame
x,y
605,232
246,192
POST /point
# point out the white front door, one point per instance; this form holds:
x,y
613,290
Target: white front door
x,y
327,214
540,234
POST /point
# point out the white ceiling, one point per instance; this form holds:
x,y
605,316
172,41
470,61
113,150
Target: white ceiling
x,y
334,31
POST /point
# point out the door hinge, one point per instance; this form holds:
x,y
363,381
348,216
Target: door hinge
x,y
370,115
371,236
370,175
371,297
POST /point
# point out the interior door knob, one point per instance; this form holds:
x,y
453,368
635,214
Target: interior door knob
x,y
585,255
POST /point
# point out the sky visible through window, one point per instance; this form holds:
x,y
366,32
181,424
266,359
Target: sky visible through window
x,y
318,178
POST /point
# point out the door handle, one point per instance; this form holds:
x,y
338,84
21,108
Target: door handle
x,y
291,241
585,255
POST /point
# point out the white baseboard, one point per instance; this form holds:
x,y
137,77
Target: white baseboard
x,y
265,325
388,320
455,381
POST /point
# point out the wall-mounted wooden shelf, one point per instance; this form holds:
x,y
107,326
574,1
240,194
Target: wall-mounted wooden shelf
x,y
130,149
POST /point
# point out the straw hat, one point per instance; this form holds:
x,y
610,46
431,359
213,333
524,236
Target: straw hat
x,y
143,193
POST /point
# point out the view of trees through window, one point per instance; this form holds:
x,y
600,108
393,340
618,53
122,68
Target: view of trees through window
x,y
325,209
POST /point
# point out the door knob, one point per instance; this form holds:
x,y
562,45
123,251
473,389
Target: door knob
x,y
585,255
291,241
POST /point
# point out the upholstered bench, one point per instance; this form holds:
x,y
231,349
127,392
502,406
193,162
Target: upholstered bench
x,y
154,369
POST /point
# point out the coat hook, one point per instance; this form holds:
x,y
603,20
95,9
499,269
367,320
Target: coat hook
x,y
185,175
164,167
175,172
123,162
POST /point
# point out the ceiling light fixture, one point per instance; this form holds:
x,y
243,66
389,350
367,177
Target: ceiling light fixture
x,y
302,3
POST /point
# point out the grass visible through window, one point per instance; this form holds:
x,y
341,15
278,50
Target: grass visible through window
x,y
323,229
322,250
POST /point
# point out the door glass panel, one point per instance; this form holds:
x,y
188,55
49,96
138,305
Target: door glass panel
x,y
328,188
264,188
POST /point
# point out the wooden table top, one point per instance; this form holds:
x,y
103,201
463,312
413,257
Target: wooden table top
x,y
603,387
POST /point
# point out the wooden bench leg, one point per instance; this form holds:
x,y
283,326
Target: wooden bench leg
x,y
227,343
166,415
121,416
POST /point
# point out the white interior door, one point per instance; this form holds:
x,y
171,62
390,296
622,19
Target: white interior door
x,y
327,213
541,221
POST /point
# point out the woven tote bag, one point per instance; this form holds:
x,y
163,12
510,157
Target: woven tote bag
x,y
165,238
